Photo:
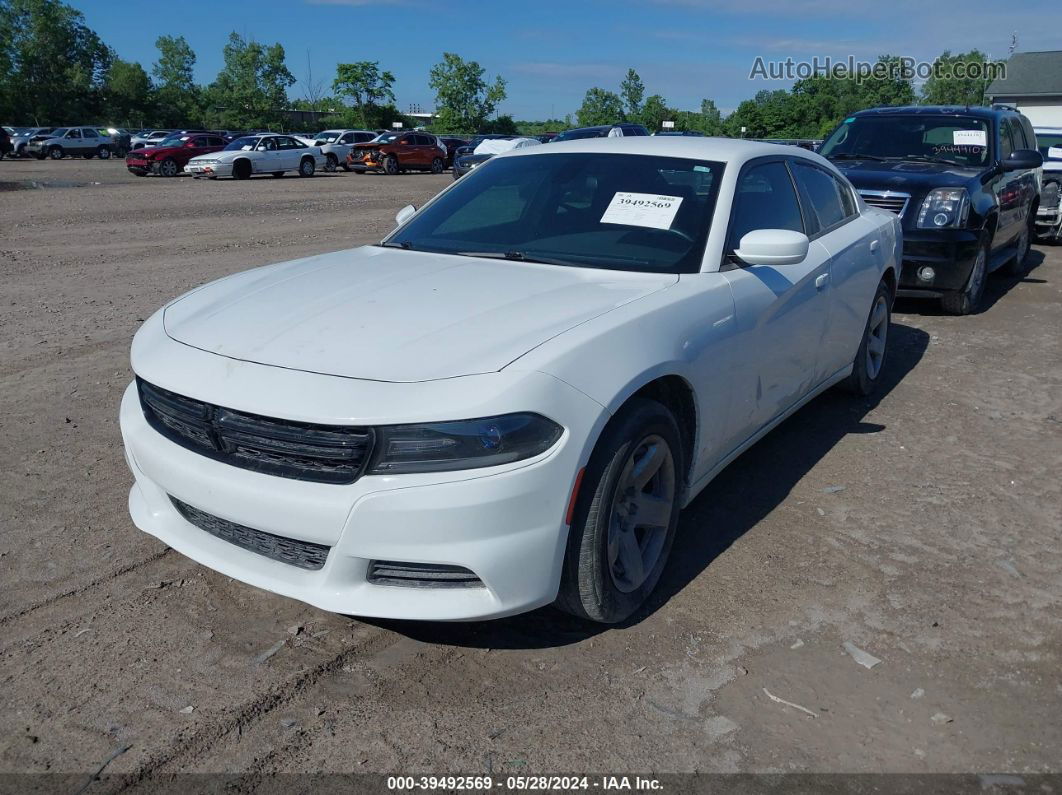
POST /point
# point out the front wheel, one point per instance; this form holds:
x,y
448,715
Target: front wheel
x,y
307,167
56,153
870,359
169,168
331,163
241,169
437,166
967,300
626,515
390,166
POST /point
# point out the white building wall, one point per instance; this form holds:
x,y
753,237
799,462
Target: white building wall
x,y
1042,111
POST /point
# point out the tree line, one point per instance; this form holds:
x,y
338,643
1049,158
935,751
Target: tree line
x,y
55,70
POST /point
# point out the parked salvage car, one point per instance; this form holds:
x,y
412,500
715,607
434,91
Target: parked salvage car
x,y
452,144
258,154
1049,213
23,135
57,144
485,150
394,153
337,145
965,183
507,402
172,155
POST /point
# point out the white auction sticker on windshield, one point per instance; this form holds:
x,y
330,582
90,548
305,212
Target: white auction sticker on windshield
x,y
642,209
969,137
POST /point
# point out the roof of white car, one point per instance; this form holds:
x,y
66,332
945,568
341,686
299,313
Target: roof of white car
x,y
695,148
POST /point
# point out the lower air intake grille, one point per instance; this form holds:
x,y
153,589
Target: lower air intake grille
x,y
421,575
304,554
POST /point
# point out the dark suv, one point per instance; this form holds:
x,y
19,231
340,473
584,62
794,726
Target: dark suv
x,y
621,130
964,181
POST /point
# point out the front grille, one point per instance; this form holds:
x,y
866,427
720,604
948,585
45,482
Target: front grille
x,y
421,575
288,449
304,554
893,201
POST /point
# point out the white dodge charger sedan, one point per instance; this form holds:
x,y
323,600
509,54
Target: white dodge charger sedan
x,y
259,154
507,402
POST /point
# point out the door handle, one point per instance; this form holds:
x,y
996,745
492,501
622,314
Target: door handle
x,y
873,246
821,281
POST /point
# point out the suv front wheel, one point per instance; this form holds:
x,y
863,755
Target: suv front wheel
x,y
966,300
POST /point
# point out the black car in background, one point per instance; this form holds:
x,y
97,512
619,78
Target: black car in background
x,y
621,130
452,144
964,181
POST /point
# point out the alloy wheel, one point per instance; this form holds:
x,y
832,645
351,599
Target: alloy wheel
x,y
877,337
641,513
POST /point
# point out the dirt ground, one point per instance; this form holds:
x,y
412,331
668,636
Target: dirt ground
x,y
923,527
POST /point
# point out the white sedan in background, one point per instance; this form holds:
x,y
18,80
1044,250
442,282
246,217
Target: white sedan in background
x,y
259,154
507,402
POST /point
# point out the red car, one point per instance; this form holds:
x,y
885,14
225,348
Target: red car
x,y
169,158
393,153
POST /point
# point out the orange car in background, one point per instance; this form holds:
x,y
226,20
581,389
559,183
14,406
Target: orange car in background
x,y
395,152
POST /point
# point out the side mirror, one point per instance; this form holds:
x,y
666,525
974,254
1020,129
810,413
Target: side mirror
x,y
1023,160
773,247
405,214
1054,153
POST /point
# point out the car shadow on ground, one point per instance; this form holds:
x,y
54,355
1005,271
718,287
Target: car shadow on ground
x,y
732,504
997,286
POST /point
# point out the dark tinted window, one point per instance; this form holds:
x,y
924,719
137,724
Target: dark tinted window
x,y
764,199
822,192
1006,140
363,137
90,133
1019,135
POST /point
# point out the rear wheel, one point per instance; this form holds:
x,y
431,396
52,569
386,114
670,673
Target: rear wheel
x,y
390,165
626,515
169,167
968,298
437,165
241,169
307,167
870,359
1018,265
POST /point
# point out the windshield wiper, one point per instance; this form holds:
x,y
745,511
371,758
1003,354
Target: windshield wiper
x,y
927,159
850,156
402,244
519,256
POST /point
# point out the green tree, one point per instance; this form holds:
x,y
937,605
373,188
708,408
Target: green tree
x,y
366,86
128,94
946,87
53,67
251,89
632,89
464,99
177,95
600,107
709,121
655,112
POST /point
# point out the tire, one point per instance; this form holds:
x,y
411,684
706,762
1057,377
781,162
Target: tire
x,y
969,297
241,169
307,167
605,586
437,166
390,166
278,174
55,153
169,168
331,163
1019,264
103,153
873,350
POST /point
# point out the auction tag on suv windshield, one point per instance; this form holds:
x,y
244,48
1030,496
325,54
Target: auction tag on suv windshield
x,y
969,137
642,209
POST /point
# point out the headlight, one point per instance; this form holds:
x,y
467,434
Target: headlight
x,y
466,444
944,208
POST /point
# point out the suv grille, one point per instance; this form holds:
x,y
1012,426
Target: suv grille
x,y
421,575
893,201
297,450
304,554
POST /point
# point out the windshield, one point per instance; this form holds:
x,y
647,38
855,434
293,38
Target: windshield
x,y
624,212
572,135
57,132
247,143
385,138
174,140
947,139
1045,141
328,136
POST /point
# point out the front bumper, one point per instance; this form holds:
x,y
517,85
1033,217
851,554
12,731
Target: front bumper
x,y
504,524
949,253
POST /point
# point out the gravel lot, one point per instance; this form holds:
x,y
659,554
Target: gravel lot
x,y
923,527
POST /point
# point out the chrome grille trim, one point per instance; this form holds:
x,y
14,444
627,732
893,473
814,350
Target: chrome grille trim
x,y
894,201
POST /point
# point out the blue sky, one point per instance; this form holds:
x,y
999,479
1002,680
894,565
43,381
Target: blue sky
x,y
551,52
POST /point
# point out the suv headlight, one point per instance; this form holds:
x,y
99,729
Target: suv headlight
x,y
944,208
465,444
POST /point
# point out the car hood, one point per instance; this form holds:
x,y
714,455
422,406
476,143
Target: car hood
x,y
389,315
905,175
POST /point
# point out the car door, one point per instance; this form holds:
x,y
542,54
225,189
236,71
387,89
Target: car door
x,y
346,141
780,310
195,146
267,157
90,141
73,143
831,213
